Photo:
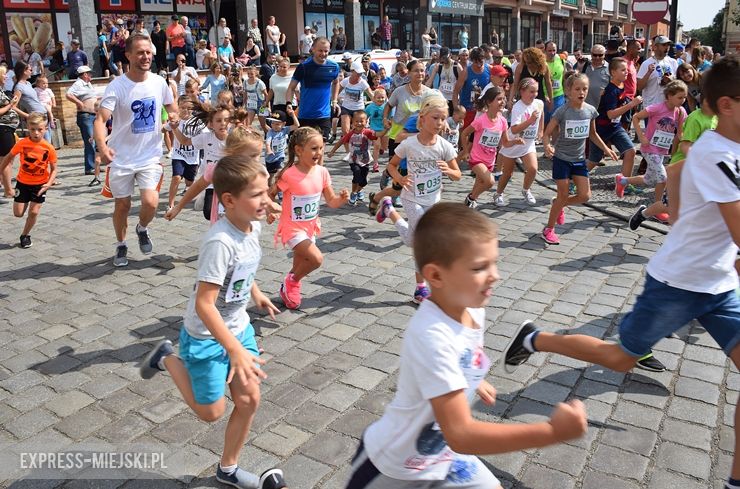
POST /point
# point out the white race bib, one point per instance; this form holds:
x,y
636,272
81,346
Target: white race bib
x,y
662,139
577,129
446,88
555,85
490,138
305,207
252,101
240,285
427,183
475,365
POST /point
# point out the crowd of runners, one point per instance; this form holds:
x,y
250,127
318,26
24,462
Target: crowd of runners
x,y
249,145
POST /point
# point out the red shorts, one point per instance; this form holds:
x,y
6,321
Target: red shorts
x,y
469,117
488,165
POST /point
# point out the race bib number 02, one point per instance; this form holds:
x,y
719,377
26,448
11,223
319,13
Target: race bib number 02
x,y
577,129
305,207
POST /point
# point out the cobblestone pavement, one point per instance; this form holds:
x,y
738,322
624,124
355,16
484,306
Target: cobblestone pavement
x,y
73,329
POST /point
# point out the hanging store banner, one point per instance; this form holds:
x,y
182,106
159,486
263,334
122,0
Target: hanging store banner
x,y
457,7
195,6
157,5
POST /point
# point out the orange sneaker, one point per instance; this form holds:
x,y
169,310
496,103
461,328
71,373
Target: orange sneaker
x,y
663,217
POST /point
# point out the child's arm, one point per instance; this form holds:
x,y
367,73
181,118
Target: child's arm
x,y
517,128
52,177
541,129
181,138
643,114
621,110
401,136
268,146
508,143
196,188
466,435
551,128
466,143
339,143
263,302
594,136
333,200
243,365
7,160
450,169
685,146
395,174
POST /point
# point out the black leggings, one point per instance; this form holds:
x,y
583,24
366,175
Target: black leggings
x,y
7,139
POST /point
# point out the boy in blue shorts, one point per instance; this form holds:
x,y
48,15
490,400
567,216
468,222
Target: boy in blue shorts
x,y
692,276
217,344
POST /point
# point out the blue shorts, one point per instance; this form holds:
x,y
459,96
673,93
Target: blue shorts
x,y
557,102
184,170
661,309
208,363
618,137
563,170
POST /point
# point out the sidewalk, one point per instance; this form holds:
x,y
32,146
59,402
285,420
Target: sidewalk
x,y
72,329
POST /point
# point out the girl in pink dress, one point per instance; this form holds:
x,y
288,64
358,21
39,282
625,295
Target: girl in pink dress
x,y
303,181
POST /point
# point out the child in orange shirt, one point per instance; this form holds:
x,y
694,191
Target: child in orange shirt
x,y
36,174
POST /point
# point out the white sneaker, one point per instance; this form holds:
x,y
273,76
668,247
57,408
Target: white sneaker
x,y
498,200
529,197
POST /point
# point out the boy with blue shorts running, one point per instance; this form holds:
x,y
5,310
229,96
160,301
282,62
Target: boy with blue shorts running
x,y
692,276
217,344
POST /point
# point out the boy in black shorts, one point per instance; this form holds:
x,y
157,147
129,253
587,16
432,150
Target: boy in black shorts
x,y
36,174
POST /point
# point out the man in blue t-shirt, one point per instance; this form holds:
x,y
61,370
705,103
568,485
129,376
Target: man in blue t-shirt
x,y
319,80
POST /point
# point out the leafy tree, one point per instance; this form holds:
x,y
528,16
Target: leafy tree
x,y
712,35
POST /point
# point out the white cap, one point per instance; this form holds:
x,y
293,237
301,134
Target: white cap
x,y
347,55
357,67
83,69
307,28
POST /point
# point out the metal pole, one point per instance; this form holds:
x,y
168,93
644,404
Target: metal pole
x,y
674,21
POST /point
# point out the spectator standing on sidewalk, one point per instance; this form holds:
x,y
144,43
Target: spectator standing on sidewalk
x,y
76,58
656,72
159,40
272,36
386,33
82,94
176,36
254,32
189,42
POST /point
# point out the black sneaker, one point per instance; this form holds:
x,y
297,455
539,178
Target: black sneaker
x,y
26,241
145,241
239,478
272,479
331,139
515,354
637,218
649,362
93,182
150,365
120,259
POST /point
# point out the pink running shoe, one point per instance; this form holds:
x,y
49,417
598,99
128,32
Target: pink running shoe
x,y
618,186
561,216
663,217
376,167
290,292
548,234
384,209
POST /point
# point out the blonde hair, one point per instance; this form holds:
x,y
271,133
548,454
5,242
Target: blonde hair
x,y
36,118
675,86
241,138
233,174
571,80
528,82
431,103
226,97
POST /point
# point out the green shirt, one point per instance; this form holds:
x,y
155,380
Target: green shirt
x,y
557,69
696,123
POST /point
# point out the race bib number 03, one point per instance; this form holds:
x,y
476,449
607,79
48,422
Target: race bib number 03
x,y
305,207
577,129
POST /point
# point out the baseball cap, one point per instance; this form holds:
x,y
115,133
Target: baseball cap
x,y
463,51
307,28
499,70
278,116
662,40
75,41
347,55
398,53
83,69
119,21
357,67
174,17
680,47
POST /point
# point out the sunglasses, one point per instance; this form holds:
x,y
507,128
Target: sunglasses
x,y
596,55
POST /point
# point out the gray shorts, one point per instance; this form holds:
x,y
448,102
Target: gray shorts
x,y
466,472
655,172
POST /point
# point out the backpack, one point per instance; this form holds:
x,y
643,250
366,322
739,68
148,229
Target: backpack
x,y
440,67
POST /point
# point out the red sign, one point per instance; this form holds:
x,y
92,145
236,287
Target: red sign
x,y
61,4
122,5
26,4
649,11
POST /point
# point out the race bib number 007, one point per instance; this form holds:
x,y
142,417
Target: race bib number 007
x,y
577,129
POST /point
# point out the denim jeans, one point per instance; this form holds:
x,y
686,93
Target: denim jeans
x,y
385,44
85,123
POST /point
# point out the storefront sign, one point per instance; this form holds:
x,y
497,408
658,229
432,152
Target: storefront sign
x,y
560,12
26,4
457,7
370,6
157,5
124,5
198,6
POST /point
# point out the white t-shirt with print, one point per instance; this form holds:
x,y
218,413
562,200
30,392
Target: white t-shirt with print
x,y
186,152
188,73
653,92
352,94
254,94
438,356
137,119
520,113
213,150
423,169
699,254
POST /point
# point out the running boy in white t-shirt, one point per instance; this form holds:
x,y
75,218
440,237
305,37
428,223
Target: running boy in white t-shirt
x,y
427,436
692,276
217,344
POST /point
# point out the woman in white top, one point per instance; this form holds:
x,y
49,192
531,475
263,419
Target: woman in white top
x,y
526,122
279,85
353,87
426,43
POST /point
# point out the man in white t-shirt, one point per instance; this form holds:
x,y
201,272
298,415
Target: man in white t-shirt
x,y
135,102
656,72
183,74
305,41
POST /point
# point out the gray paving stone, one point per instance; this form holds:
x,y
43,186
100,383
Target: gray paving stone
x,y
282,439
637,415
662,479
696,412
564,458
330,448
30,423
304,471
597,480
546,392
618,462
676,457
630,438
697,390
68,403
363,378
312,417
538,476
353,422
